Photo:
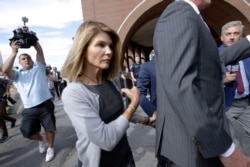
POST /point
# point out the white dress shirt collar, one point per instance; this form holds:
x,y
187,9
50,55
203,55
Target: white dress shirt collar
x,y
193,6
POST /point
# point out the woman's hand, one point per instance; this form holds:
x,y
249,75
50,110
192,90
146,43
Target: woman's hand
x,y
134,95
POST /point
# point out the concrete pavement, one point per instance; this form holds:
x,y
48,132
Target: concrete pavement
x,y
21,152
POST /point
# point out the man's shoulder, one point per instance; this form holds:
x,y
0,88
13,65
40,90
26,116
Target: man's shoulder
x,y
181,6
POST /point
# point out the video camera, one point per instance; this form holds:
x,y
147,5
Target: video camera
x,y
25,38
10,99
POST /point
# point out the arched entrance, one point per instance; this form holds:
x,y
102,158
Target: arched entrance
x,y
138,28
135,22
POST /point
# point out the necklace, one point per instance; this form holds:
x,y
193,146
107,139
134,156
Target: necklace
x,y
96,82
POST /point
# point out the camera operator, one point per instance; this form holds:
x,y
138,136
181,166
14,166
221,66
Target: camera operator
x,y
33,88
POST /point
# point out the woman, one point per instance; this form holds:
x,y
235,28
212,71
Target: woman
x,y
92,102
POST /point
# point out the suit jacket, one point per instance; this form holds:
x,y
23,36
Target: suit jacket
x,y
191,129
231,87
58,75
147,81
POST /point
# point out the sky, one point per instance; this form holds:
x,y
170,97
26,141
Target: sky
x,y
54,21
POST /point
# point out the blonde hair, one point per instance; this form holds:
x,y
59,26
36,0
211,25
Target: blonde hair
x,y
74,63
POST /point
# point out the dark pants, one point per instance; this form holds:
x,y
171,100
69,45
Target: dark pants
x,y
4,116
8,118
35,117
56,85
3,127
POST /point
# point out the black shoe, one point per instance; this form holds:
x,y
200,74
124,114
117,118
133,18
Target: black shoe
x,y
13,124
4,139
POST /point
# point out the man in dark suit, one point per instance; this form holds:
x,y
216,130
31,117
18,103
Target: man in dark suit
x,y
135,70
147,82
237,95
57,76
191,129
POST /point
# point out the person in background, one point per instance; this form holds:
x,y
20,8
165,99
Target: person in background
x,y
33,88
191,129
4,94
237,93
135,70
91,100
3,130
50,79
146,82
62,85
48,69
57,80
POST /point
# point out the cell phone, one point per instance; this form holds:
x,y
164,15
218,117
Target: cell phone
x,y
128,83
11,100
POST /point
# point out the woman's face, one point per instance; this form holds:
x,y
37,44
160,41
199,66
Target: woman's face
x,y
99,52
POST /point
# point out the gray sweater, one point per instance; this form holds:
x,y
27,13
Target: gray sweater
x,y
82,107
